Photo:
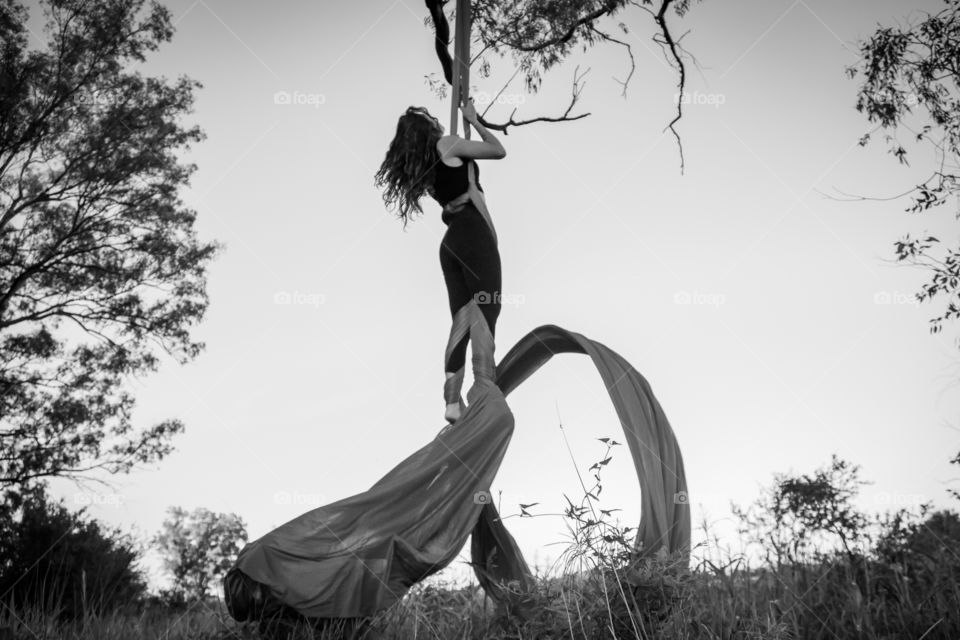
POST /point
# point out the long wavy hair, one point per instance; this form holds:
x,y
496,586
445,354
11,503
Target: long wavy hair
x,y
409,168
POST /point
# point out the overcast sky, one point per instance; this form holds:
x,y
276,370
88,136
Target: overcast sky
x,y
770,321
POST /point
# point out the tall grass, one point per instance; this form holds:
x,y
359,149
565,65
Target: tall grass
x,y
902,585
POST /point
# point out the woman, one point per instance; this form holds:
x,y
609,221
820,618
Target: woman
x,y
420,161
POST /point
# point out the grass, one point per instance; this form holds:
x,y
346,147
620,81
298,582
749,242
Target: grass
x,y
830,599
895,588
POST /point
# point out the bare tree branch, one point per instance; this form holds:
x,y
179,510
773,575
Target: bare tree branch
x,y
682,70
633,62
577,89
514,34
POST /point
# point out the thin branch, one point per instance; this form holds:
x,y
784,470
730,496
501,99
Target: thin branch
x,y
633,62
850,197
577,88
668,37
477,57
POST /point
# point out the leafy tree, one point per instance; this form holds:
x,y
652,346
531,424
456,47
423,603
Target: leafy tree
x,y
909,79
99,264
797,513
199,547
925,535
62,562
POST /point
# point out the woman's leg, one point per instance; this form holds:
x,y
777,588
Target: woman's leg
x,y
472,266
484,283
458,294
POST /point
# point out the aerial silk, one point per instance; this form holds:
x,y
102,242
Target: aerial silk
x,y
360,555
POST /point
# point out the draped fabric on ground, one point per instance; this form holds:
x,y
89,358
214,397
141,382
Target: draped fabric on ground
x,y
357,556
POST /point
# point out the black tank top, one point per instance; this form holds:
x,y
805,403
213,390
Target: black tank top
x,y
451,182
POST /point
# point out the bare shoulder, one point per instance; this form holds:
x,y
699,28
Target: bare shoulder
x,y
444,145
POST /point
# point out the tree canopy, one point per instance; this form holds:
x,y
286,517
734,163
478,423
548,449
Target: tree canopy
x,y
100,267
540,34
909,80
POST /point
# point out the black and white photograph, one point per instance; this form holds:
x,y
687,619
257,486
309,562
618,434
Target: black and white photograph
x,y
480,319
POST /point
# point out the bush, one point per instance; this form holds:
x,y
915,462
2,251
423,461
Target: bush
x,y
62,563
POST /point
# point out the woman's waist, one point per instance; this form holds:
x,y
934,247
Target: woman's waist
x,y
472,200
462,204
463,197
465,212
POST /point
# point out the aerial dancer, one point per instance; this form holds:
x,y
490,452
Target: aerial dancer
x,y
420,161
351,559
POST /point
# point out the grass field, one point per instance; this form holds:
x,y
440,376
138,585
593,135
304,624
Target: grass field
x,y
839,596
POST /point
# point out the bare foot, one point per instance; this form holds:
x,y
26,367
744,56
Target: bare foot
x,y
453,412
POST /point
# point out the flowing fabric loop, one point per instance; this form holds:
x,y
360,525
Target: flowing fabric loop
x,y
359,555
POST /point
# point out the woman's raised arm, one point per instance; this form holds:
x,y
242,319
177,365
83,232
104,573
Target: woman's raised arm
x,y
488,148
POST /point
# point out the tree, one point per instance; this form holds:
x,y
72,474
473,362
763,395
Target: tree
x,y
100,267
62,562
796,512
910,79
540,34
199,547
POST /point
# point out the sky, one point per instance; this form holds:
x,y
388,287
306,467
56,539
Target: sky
x,y
771,321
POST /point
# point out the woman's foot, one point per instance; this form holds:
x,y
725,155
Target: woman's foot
x,y
451,395
453,412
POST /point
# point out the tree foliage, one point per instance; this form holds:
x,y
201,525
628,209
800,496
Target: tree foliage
x,y
100,267
62,562
909,80
540,34
199,547
799,514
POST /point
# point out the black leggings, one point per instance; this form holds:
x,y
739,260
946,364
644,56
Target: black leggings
x,y
471,268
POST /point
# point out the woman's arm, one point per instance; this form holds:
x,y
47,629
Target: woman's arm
x,y
488,147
